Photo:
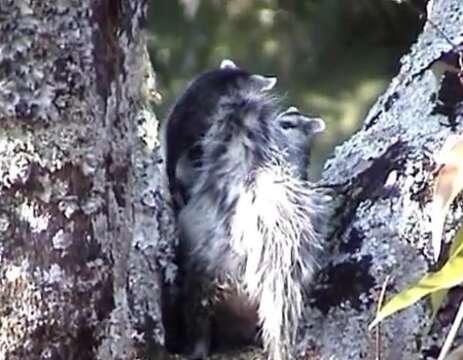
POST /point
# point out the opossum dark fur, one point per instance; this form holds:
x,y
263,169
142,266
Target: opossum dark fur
x,y
251,221
191,116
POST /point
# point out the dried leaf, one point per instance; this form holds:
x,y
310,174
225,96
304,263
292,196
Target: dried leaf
x,y
448,185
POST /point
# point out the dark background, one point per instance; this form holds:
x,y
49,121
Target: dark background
x,y
331,57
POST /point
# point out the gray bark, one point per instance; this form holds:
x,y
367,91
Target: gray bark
x,y
78,235
85,230
384,175
385,223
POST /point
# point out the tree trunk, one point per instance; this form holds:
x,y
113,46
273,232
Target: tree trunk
x,y
80,209
86,234
384,175
383,228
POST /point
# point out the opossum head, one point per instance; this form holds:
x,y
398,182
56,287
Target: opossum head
x,y
298,128
194,113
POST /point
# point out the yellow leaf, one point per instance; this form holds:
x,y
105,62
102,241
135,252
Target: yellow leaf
x,y
449,276
438,297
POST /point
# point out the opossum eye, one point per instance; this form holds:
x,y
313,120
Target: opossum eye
x,y
287,125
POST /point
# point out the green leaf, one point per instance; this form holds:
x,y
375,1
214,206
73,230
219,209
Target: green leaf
x,y
449,276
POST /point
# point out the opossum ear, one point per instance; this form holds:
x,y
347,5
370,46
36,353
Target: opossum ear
x,y
291,110
228,64
317,125
265,83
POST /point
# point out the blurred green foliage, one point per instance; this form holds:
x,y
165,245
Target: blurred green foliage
x,y
332,57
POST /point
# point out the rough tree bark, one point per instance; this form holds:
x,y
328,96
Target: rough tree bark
x,y
386,173
80,206
85,231
384,223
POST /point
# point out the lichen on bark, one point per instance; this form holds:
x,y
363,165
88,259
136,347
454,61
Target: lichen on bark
x,y
71,100
86,232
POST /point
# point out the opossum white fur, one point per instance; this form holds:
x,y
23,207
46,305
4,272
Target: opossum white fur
x,y
251,221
